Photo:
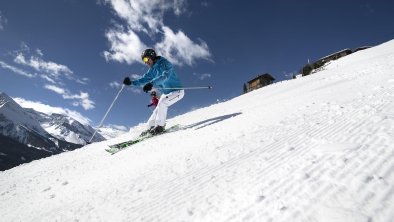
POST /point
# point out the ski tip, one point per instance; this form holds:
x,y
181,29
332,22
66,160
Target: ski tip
x,y
209,87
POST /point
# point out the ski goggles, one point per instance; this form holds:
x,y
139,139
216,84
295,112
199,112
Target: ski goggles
x,y
145,59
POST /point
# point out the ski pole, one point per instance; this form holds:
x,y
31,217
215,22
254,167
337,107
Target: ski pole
x,y
110,107
197,87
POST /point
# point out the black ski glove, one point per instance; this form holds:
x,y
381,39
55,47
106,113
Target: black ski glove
x,y
147,87
127,81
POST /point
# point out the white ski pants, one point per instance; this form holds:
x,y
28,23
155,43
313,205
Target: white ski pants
x,y
159,115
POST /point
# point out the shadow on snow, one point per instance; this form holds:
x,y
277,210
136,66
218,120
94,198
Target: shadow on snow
x,y
211,121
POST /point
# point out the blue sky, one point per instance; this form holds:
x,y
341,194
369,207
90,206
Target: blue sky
x,y
71,56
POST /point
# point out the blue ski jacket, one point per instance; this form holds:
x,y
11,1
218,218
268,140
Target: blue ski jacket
x,y
161,75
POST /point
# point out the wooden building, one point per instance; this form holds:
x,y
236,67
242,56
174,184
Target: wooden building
x,y
258,82
362,48
308,68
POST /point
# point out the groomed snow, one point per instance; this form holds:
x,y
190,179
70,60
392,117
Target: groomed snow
x,y
317,148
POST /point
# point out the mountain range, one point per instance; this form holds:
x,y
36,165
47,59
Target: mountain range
x,y
26,134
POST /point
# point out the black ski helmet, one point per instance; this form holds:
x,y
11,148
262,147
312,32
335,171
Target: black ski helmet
x,y
153,93
149,53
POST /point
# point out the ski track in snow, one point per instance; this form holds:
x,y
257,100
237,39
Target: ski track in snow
x,y
279,156
319,148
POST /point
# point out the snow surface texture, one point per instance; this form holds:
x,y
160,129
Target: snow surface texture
x,y
318,148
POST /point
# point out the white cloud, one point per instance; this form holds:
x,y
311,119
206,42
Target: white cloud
x,y
54,70
48,79
115,85
16,70
47,109
55,89
82,100
203,76
78,100
83,81
180,49
24,47
125,46
51,72
39,52
146,17
3,21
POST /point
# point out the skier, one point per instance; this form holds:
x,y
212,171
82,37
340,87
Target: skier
x,y
162,76
155,100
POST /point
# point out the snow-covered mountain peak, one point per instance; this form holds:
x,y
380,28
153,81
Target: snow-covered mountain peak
x,y
26,134
65,128
4,98
13,113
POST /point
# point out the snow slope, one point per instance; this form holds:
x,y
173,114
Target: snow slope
x,y
318,148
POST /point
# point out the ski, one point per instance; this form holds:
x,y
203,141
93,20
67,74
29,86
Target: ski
x,y
123,145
